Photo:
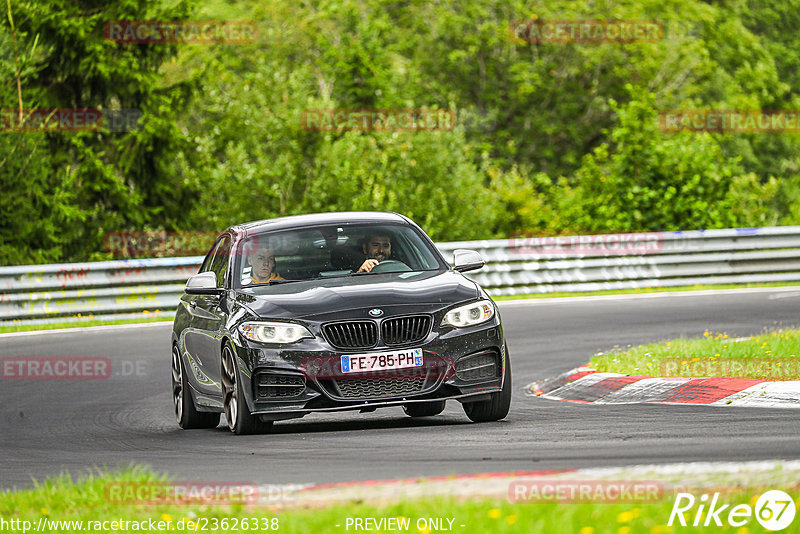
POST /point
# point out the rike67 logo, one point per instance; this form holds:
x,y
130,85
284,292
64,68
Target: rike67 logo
x,y
774,510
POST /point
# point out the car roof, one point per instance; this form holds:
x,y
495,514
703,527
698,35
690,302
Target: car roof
x,y
315,219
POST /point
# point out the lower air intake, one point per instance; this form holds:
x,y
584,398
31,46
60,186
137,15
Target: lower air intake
x,y
372,388
275,386
478,366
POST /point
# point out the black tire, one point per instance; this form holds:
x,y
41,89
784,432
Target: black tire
x,y
240,420
185,412
424,409
495,408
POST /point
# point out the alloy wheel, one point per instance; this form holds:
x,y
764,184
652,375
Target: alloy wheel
x,y
229,388
177,383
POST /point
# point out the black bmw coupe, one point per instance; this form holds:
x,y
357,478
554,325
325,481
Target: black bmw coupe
x,y
335,311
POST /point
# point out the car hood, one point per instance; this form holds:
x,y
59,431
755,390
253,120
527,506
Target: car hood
x,y
392,292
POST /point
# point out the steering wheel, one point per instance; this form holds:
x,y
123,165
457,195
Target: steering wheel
x,y
391,266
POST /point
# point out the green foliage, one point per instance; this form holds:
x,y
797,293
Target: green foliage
x,y
255,159
393,173
551,138
39,215
66,189
645,180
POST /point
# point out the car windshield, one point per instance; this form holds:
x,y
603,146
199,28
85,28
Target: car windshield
x,y
333,251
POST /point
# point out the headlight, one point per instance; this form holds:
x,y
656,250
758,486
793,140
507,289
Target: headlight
x,y
269,332
471,314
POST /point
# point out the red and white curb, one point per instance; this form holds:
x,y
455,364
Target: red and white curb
x,y
584,384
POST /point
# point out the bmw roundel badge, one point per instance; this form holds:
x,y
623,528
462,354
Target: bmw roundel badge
x,y
376,312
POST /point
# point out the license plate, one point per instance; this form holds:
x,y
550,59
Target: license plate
x,y
379,361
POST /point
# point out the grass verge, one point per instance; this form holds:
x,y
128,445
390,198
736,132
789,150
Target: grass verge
x,y
58,325
769,356
62,500
644,290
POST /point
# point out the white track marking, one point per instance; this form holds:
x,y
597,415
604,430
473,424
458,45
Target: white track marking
x,y
82,329
579,384
643,390
766,395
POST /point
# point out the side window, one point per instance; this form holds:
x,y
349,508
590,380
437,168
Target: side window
x,y
219,265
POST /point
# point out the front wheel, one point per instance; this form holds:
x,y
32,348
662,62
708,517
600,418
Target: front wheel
x,y
185,412
240,420
495,408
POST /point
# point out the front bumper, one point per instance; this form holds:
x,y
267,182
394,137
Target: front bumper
x,y
464,364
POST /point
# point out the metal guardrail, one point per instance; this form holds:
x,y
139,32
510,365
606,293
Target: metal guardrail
x,y
33,294
657,259
151,287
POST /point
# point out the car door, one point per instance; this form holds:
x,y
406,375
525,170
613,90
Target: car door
x,y
203,338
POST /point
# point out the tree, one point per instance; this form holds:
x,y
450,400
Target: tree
x,y
646,180
84,184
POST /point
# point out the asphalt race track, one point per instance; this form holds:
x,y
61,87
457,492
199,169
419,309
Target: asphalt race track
x,y
51,426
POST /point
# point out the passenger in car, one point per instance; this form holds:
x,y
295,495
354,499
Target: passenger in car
x,y
377,248
262,262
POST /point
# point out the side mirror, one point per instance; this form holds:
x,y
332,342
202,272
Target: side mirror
x,y
203,284
467,260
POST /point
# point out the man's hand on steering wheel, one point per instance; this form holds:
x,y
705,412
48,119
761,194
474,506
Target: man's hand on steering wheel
x,y
367,265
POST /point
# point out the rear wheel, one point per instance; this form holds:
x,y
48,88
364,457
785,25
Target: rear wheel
x,y
495,408
424,409
187,415
240,420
